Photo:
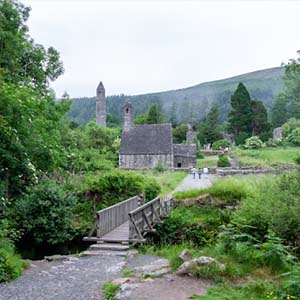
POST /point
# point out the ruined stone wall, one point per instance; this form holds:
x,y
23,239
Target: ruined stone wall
x,y
145,161
184,162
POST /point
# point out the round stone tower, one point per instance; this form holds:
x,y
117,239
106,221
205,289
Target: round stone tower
x,y
100,105
127,116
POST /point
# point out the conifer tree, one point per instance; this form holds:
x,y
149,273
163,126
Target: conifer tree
x,y
260,124
209,131
240,118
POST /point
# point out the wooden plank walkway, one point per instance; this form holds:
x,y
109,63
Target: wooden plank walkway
x,y
119,234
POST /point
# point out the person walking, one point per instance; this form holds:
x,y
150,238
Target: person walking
x,y
205,172
194,171
199,172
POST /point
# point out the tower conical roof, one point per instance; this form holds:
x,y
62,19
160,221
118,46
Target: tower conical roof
x,y
100,86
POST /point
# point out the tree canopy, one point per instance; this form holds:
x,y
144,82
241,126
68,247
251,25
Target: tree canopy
x,y
22,61
153,116
287,104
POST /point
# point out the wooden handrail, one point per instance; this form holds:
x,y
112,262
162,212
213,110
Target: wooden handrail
x,y
111,217
143,219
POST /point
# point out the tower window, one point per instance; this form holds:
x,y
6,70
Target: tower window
x,y
127,110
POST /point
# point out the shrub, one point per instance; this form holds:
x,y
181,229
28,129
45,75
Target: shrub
x,y
294,137
277,210
160,168
11,265
241,138
272,143
290,288
253,143
223,161
196,226
274,254
118,185
151,188
45,213
289,126
297,160
220,144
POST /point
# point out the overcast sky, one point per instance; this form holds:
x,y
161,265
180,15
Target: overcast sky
x,y
137,47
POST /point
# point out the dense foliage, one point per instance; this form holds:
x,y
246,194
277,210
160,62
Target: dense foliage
x,y
253,143
219,144
209,129
248,117
223,161
287,104
259,240
153,116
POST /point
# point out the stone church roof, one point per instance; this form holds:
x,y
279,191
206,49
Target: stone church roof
x,y
147,139
187,150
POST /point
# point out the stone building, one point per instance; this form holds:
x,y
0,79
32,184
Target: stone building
x,y
148,145
100,105
184,155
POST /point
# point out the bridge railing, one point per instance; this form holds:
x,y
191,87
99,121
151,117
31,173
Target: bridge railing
x,y
111,217
143,219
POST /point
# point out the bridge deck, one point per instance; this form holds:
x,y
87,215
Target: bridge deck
x,y
119,234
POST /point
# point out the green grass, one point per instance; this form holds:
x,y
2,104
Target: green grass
x,y
126,272
255,291
267,156
11,264
110,290
207,162
168,180
231,188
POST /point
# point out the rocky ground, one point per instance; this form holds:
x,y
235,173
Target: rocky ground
x,y
76,278
81,278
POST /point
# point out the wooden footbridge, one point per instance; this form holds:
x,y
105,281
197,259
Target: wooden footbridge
x,y
128,221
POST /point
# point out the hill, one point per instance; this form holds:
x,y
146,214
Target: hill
x,y
192,103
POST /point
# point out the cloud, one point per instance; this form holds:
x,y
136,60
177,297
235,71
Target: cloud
x,y
144,46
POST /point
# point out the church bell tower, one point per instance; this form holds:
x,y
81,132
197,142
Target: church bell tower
x,y
100,105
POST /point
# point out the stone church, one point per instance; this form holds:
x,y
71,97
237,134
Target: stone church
x,y
146,146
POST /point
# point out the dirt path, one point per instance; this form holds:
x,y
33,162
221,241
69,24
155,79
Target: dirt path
x,y
189,183
170,287
71,279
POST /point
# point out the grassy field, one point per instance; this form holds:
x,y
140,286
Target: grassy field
x,y
267,156
168,179
208,162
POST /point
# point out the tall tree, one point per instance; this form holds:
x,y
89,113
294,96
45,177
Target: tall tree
x,y
209,130
179,133
240,117
30,118
287,104
23,62
153,116
260,124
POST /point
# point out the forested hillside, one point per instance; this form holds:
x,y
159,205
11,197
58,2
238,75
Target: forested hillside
x,y
192,103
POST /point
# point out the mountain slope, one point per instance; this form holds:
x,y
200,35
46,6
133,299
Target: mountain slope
x,y
190,104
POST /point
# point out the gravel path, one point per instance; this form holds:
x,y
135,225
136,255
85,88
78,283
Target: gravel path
x,y
72,279
189,183
141,260
170,287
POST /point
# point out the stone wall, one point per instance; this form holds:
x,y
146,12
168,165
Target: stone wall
x,y
184,162
145,161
